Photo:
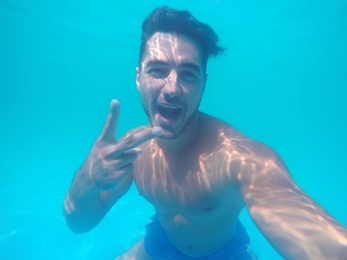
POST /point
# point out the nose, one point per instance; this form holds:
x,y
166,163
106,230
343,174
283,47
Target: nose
x,y
172,87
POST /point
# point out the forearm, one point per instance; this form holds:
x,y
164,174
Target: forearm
x,y
83,207
85,204
296,226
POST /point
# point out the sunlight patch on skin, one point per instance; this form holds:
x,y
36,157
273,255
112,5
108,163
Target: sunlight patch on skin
x,y
69,205
215,167
156,48
308,231
273,219
204,180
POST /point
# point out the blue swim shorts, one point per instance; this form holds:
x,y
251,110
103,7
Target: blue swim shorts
x,y
159,247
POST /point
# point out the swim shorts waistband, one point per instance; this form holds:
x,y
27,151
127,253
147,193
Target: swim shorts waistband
x,y
159,247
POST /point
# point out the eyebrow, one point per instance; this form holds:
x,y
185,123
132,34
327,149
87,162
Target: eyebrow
x,y
156,63
187,65
191,66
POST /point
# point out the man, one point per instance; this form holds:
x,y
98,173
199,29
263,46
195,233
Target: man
x,y
196,170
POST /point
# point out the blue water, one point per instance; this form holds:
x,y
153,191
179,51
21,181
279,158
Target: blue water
x,y
283,81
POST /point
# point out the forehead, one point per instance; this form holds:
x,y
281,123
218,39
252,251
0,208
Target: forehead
x,y
172,48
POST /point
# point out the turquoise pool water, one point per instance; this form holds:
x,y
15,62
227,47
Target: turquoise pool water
x,y
282,81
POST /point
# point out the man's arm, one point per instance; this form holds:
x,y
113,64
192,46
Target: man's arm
x,y
106,174
85,206
294,224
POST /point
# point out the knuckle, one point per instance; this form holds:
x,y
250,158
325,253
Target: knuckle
x,y
101,156
129,140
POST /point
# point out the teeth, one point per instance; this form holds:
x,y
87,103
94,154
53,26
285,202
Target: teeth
x,y
168,111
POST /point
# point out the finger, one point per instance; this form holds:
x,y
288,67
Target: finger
x,y
110,127
133,131
114,154
138,138
126,158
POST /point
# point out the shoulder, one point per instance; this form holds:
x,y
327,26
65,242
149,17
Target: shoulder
x,y
260,168
230,139
240,143
246,158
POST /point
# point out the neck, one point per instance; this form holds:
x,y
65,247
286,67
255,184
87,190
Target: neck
x,y
184,140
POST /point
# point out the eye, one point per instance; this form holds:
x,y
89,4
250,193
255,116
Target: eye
x,y
189,76
158,72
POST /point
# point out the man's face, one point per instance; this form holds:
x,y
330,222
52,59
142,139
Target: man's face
x,y
171,81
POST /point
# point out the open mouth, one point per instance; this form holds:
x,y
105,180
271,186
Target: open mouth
x,y
169,112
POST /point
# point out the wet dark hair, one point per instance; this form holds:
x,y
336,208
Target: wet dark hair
x,y
182,22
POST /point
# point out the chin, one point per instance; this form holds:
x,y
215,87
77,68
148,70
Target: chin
x,y
168,135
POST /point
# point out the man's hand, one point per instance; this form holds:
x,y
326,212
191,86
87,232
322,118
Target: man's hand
x,y
109,161
105,175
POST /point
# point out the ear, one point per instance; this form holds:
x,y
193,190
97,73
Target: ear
x,y
138,78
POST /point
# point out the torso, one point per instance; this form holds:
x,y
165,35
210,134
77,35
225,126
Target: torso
x,y
194,193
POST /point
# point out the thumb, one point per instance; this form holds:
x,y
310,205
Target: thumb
x,y
111,124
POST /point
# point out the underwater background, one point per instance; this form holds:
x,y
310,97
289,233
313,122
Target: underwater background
x,y
283,81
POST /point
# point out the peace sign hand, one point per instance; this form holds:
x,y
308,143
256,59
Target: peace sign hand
x,y
109,161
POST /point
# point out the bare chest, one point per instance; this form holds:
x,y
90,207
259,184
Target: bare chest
x,y
189,184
